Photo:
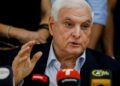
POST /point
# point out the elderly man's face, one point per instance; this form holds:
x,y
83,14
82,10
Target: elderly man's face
x,y
71,32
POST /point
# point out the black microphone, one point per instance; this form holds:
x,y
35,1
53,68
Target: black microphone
x,y
101,77
40,80
68,77
6,76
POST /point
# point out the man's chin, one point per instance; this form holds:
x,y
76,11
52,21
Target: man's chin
x,y
75,51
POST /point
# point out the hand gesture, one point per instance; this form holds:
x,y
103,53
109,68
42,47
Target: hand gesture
x,y
22,65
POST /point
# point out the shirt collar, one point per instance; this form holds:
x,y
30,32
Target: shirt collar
x,y
80,61
52,58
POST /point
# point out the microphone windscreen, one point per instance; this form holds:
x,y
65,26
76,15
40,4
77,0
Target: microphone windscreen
x,y
40,79
68,77
101,77
6,76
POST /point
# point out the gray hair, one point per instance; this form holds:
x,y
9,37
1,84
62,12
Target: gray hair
x,y
59,4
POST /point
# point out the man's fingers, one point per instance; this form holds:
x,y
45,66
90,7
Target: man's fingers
x,y
23,59
26,49
20,60
36,57
41,41
30,44
23,52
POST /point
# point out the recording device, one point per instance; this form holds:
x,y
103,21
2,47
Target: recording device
x,y
6,76
100,77
68,77
40,80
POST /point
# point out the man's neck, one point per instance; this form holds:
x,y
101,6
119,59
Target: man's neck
x,y
66,60
70,63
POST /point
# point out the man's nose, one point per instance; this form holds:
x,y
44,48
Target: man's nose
x,y
76,32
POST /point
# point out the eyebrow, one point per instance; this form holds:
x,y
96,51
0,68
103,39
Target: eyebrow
x,y
88,21
68,19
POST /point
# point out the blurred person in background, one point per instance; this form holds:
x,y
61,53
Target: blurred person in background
x,y
108,32
22,21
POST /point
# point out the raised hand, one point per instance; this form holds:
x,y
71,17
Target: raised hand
x,y
22,65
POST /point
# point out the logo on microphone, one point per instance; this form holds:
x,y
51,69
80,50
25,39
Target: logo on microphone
x,y
100,73
4,73
40,77
101,77
67,71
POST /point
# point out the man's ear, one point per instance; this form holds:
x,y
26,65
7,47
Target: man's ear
x,y
51,25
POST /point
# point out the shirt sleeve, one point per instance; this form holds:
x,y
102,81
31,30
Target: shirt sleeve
x,y
99,7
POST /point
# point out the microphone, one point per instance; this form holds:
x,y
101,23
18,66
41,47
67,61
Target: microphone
x,y
40,80
100,77
68,77
6,76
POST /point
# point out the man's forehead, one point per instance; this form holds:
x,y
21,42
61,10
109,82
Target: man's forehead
x,y
74,13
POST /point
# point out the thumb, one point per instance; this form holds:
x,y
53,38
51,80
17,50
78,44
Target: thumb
x,y
36,57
